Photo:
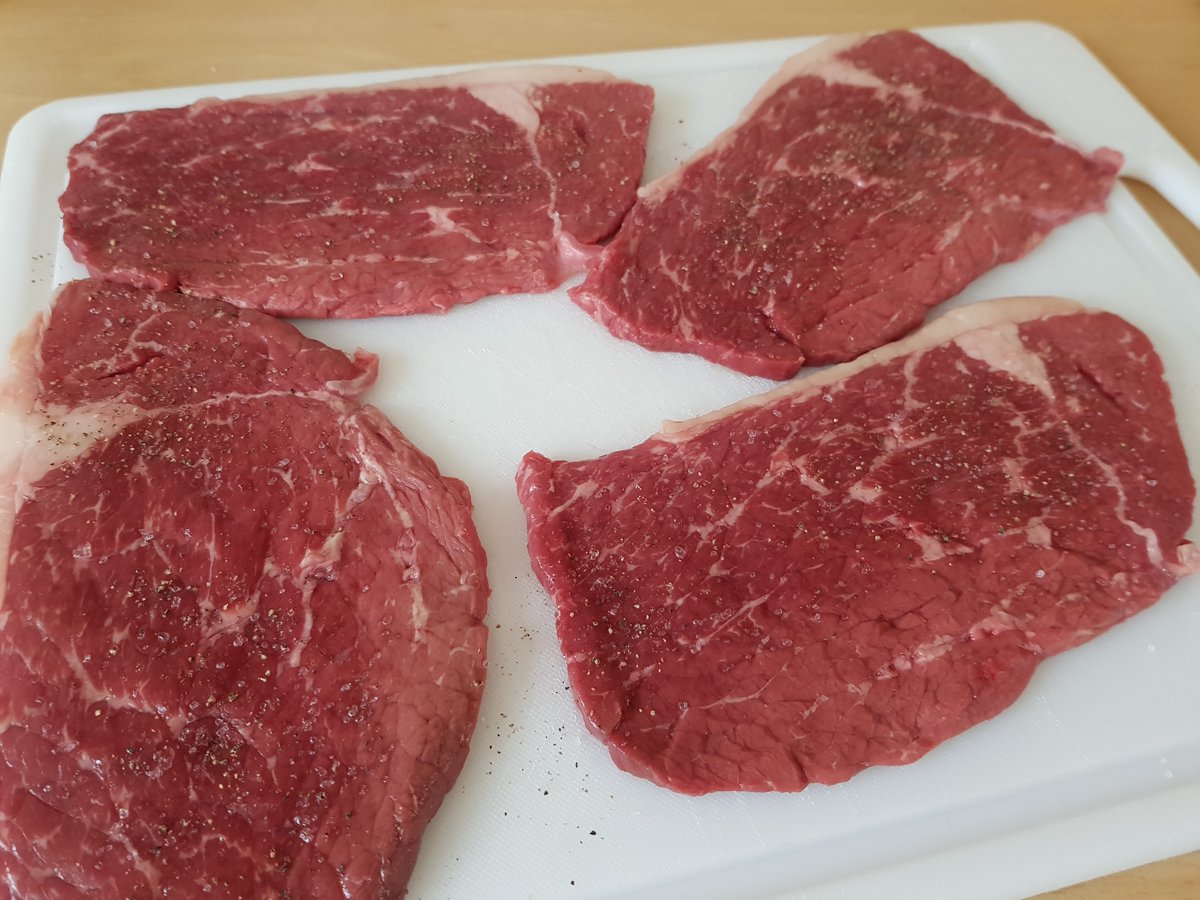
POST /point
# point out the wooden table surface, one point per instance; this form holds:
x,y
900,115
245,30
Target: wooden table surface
x,y
64,48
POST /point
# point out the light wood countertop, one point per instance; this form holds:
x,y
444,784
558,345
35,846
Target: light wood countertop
x,y
67,48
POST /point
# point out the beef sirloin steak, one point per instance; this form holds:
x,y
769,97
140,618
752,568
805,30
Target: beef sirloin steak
x,y
241,649
399,198
869,179
849,570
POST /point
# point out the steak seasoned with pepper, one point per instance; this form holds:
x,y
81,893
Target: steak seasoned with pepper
x,y
848,571
397,198
870,179
241,647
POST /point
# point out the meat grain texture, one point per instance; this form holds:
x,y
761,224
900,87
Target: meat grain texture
x,y
853,569
398,198
241,648
870,179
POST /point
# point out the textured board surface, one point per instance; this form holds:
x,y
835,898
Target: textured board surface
x,y
1092,770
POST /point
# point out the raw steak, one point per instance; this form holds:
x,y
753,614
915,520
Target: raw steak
x,y
869,179
400,198
848,571
240,641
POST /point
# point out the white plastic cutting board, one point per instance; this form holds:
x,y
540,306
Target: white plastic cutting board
x,y
1095,768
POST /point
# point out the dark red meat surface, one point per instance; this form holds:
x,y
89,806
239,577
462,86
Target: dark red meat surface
x,y
871,179
849,574
241,649
400,198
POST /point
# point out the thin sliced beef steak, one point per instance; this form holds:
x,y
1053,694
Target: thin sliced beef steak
x,y
869,179
241,649
850,570
401,198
